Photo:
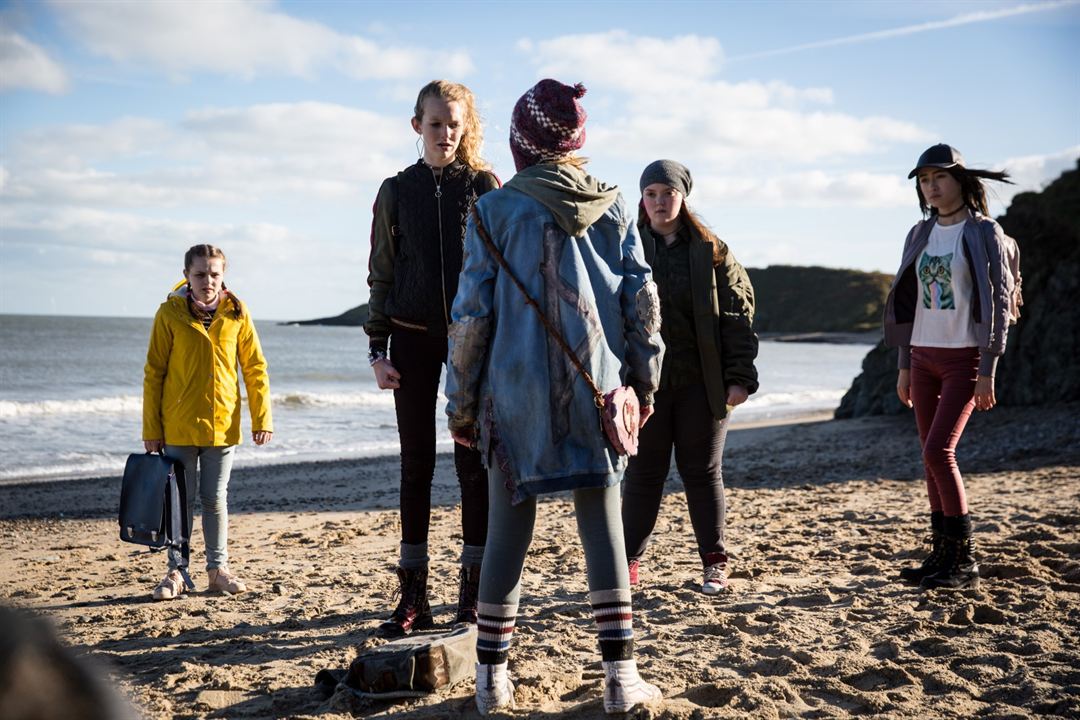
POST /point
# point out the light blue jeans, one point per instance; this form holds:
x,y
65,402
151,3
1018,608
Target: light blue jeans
x,y
206,474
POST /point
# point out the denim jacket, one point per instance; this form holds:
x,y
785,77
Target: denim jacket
x,y
983,239
581,260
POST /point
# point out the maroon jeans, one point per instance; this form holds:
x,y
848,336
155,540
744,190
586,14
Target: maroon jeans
x,y
943,393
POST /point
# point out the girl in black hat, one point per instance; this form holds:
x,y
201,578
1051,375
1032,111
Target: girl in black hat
x,y
948,312
707,311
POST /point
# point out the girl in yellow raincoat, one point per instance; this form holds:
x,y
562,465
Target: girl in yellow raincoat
x,y
191,401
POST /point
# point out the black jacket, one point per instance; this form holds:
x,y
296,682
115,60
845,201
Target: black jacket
x,y
417,237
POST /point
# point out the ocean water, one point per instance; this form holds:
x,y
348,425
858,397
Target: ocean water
x,y
71,394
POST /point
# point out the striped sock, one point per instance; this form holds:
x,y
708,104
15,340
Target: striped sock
x,y
614,618
494,629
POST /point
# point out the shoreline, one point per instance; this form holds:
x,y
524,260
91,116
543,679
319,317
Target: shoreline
x,y
865,337
316,459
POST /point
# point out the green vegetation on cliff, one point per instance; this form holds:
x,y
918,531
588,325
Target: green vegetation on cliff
x,y
789,299
795,299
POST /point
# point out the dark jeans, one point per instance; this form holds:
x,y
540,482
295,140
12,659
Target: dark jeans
x,y
943,394
681,419
419,358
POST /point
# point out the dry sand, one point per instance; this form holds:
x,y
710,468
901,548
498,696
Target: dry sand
x,y
821,516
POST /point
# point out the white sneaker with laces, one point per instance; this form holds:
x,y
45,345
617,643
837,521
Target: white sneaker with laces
x,y
624,688
494,691
715,581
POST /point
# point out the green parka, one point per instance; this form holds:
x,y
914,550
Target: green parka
x,y
723,302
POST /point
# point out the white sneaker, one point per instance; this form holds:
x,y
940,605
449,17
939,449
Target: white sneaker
x,y
624,688
494,691
715,581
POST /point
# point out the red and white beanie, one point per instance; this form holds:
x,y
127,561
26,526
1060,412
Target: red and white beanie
x,y
548,123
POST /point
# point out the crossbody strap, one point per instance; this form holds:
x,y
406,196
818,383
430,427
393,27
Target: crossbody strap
x,y
483,233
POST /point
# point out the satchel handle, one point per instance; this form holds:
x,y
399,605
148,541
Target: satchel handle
x,y
598,397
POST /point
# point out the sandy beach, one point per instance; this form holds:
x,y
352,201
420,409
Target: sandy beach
x,y
821,517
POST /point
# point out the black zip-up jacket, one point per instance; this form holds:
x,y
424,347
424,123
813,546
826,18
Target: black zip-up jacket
x,y
417,240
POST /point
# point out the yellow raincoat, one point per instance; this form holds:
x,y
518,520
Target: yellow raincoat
x,y
191,391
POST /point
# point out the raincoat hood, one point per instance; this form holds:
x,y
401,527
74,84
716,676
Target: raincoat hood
x,y
575,198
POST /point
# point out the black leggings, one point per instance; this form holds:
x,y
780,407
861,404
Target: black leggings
x,y
419,358
681,419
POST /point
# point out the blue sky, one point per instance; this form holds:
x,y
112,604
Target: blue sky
x,y
132,130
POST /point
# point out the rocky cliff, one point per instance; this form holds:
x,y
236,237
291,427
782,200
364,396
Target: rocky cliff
x,y
1040,364
789,299
795,299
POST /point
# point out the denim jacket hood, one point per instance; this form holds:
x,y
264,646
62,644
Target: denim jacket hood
x,y
536,416
575,199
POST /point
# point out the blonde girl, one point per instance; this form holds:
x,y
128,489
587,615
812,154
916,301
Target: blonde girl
x,y
416,254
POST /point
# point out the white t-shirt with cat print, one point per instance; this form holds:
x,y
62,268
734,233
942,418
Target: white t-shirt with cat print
x,y
943,308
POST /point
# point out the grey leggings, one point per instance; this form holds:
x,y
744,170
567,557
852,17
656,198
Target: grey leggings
x,y
206,474
510,530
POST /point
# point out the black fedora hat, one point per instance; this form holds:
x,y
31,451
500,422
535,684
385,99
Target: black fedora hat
x,y
939,156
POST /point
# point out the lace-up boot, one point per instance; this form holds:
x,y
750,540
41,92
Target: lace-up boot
x,y
413,611
932,563
958,567
468,592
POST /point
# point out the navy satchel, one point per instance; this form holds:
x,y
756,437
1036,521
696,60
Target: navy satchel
x,y
153,504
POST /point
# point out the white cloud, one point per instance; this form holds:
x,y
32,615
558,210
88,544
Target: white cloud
x,y
24,64
242,38
625,62
668,102
814,188
88,250
1034,172
214,156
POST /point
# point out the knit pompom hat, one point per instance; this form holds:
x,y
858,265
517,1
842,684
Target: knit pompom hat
x,y
548,123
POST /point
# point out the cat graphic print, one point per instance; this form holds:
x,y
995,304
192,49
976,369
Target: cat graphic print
x,y
935,277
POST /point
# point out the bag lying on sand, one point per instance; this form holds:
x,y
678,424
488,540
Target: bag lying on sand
x,y
415,665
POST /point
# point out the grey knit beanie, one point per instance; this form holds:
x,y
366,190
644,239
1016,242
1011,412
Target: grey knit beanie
x,y
667,172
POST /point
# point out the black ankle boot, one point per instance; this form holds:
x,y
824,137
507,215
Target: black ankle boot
x,y
958,567
413,611
468,592
932,563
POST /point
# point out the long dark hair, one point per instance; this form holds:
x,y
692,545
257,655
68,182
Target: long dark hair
x,y
972,189
698,229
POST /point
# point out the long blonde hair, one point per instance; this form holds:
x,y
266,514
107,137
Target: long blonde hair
x,y
472,139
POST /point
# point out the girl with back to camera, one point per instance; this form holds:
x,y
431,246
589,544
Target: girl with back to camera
x,y
513,389
948,312
416,253
707,306
191,402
